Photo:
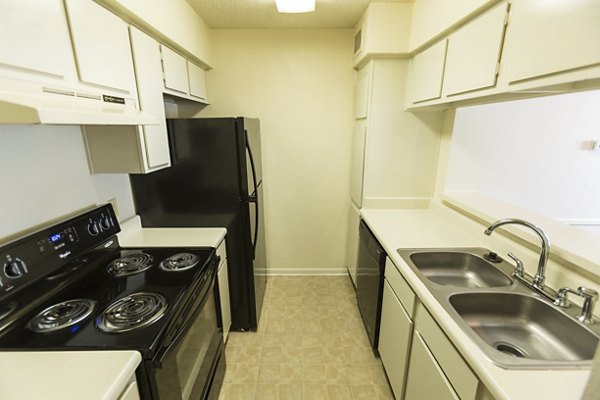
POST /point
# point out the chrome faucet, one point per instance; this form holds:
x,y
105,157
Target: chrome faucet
x,y
538,279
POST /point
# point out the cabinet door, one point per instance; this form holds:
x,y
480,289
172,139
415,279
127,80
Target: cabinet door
x,y
474,53
224,295
547,37
101,44
35,37
426,380
359,138
395,334
352,241
148,74
175,70
427,72
198,82
362,92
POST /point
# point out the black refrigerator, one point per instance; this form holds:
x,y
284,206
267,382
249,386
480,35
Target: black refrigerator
x,y
215,181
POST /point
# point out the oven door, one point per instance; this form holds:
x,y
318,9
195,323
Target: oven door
x,y
186,368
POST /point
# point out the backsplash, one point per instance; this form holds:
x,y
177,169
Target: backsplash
x,y
45,175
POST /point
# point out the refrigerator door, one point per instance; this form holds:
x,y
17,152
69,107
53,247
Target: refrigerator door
x,y
257,227
253,153
207,186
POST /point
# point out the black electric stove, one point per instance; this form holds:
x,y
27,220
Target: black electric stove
x,y
72,287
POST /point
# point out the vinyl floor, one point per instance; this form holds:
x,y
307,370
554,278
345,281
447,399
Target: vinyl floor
x,y
311,344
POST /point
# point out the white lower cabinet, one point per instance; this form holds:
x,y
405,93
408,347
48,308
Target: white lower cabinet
x,y
419,359
395,335
426,380
223,280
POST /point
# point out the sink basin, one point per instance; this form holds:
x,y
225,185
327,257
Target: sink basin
x,y
519,328
458,268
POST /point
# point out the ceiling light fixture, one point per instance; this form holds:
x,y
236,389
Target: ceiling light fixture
x,y
295,6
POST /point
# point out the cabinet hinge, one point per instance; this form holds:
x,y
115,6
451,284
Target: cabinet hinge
x,y
498,68
506,16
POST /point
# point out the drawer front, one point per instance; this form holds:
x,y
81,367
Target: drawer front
x,y
456,369
400,287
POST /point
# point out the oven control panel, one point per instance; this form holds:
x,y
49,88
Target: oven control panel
x,y
37,255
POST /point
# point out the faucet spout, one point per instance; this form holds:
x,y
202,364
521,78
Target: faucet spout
x,y
540,275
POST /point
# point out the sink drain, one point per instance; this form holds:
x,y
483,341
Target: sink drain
x,y
510,349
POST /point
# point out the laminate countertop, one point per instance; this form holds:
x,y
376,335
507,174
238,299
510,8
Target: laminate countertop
x,y
133,235
66,375
441,227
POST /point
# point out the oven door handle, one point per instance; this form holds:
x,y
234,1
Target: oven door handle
x,y
185,326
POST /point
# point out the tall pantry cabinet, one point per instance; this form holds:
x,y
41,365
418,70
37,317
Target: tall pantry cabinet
x,y
394,152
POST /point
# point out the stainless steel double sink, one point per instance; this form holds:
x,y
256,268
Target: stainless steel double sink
x,y
514,326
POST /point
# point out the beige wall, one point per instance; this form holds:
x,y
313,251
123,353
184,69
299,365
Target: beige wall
x,y
300,84
44,175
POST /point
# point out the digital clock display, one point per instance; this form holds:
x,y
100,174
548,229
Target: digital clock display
x,y
56,238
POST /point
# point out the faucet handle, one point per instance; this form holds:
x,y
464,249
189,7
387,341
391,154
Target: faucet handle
x,y
519,270
587,293
561,297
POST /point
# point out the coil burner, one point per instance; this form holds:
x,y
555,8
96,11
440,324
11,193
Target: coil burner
x,y
130,265
179,262
62,315
132,312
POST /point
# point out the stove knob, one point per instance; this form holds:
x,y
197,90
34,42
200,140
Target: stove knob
x,y
105,223
93,228
15,268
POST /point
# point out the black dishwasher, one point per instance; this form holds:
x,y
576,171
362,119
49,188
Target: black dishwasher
x,y
369,282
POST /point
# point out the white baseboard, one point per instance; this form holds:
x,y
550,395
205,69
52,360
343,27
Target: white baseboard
x,y
308,271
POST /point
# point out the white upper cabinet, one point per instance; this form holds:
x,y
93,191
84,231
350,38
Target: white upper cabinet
x,y
175,70
427,73
148,74
474,53
383,30
548,37
35,37
138,149
101,46
198,82
431,18
362,92
359,138
183,78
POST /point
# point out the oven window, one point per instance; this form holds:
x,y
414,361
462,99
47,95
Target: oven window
x,y
186,368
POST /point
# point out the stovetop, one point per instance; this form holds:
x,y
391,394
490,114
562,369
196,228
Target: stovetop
x,y
88,278
71,272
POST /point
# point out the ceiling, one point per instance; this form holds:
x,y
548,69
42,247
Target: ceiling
x,y
256,14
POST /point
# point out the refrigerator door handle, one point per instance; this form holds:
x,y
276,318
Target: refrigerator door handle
x,y
253,198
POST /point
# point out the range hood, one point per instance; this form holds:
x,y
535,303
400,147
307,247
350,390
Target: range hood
x,y
32,103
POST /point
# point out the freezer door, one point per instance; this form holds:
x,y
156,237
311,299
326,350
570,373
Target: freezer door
x,y
253,153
